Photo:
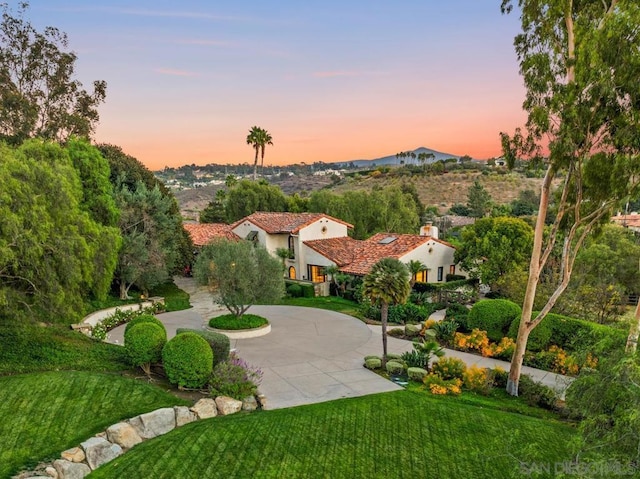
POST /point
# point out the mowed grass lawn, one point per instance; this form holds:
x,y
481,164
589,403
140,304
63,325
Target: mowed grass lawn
x,y
332,303
45,413
393,435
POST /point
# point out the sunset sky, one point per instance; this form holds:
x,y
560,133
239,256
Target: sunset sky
x,y
331,80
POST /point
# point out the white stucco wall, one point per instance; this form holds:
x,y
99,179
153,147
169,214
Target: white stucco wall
x,y
440,256
306,256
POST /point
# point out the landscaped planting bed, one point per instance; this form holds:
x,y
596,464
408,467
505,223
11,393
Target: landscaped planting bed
x,y
230,322
45,413
400,434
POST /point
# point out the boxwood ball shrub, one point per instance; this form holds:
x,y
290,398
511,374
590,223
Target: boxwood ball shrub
x,y
394,367
143,344
372,363
294,290
219,343
493,316
417,374
143,318
187,360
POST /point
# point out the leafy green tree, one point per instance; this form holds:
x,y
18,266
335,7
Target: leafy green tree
x,y
250,196
579,62
608,399
39,96
258,138
460,210
149,251
214,212
128,171
52,253
239,274
479,200
526,204
387,283
492,247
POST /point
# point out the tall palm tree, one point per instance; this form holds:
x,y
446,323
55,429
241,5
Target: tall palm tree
x,y
266,140
415,266
387,283
254,139
258,138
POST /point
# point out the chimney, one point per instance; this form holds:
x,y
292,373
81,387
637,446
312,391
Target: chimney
x,y
429,230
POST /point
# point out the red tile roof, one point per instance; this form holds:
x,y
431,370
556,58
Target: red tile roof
x,y
628,221
274,223
357,257
204,233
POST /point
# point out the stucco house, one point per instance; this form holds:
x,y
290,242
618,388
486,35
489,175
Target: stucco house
x,y
316,241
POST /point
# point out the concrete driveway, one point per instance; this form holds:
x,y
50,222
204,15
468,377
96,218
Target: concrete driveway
x,y
310,355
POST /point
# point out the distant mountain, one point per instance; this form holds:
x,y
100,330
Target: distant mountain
x,y
392,160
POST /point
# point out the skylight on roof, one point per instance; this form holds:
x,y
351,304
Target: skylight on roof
x,y
387,240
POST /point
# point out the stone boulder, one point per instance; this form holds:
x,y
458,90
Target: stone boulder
x,y
412,330
262,401
155,423
205,408
51,472
124,435
249,403
71,470
99,451
75,454
227,405
184,415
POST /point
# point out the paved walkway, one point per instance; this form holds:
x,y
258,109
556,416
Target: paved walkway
x,y
311,355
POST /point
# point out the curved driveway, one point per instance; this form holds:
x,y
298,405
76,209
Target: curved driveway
x,y
313,355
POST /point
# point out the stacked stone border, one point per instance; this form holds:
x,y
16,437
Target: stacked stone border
x,y
78,462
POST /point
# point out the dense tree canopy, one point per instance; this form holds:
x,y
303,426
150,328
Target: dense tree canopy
x,y
492,247
52,251
39,96
247,197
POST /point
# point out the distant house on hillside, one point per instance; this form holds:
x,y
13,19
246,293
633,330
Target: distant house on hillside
x,y
631,221
316,241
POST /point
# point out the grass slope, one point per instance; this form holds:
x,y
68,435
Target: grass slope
x,y
29,347
45,413
402,434
331,303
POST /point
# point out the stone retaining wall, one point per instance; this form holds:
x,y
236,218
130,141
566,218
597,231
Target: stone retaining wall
x,y
78,462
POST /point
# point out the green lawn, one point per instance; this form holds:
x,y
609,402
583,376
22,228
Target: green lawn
x,y
28,347
332,303
401,434
45,413
175,299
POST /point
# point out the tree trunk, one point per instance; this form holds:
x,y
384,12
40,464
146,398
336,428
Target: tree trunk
x,y
255,166
124,290
517,358
532,284
384,313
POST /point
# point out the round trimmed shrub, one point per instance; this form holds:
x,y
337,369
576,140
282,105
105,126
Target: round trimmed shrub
x,y
294,290
391,356
232,323
394,367
218,342
372,363
187,360
417,374
143,344
493,316
539,337
143,318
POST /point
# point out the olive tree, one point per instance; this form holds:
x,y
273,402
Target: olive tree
x,y
239,274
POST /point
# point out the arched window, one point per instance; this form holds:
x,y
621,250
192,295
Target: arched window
x,y
292,272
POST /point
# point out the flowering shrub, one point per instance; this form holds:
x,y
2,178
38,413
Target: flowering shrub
x,y
478,341
478,380
234,378
437,385
450,368
560,361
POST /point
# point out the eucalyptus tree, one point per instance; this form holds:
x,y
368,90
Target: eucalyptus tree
x,y
579,61
39,96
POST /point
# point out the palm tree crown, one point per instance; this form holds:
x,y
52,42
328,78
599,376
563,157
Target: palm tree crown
x,y
387,282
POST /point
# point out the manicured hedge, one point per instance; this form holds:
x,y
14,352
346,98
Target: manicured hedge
x,y
494,316
231,322
144,342
187,360
420,287
571,334
219,343
308,291
294,290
